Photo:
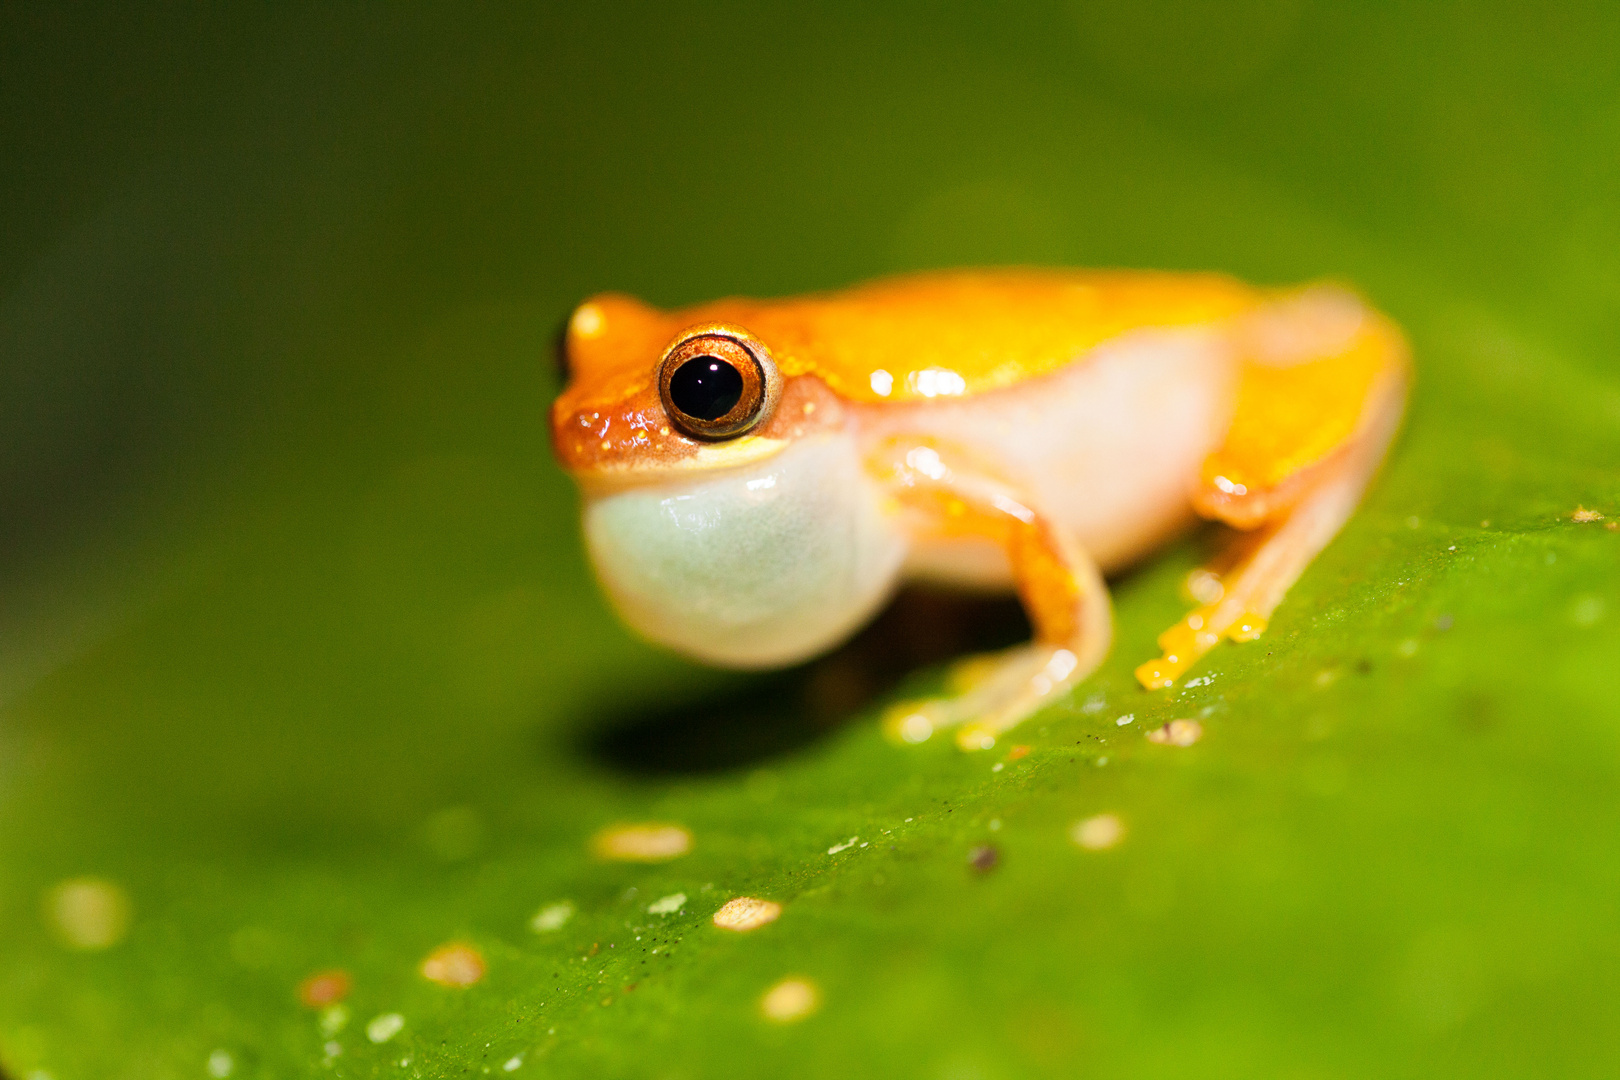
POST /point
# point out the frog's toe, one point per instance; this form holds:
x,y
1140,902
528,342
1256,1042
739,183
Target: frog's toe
x,y
1160,673
913,722
976,736
972,672
989,695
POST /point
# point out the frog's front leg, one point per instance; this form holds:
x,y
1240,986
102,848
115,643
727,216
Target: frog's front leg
x,y
1319,399
941,495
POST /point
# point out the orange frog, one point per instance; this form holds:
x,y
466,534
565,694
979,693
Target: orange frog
x,y
758,475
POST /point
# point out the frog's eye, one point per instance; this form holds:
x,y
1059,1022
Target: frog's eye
x,y
718,383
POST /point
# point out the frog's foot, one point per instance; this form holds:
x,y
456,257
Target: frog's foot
x,y
1184,643
990,694
1238,605
1248,596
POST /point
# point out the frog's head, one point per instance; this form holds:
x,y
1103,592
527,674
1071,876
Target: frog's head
x,y
726,510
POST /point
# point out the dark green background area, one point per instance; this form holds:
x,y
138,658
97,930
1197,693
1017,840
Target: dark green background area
x,y
298,647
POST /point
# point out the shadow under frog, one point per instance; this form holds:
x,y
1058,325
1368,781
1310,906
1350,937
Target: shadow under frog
x,y
761,717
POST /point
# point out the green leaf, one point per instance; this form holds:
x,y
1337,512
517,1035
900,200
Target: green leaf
x,y
302,671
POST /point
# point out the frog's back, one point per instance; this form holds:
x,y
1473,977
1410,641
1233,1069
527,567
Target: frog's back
x,y
960,333
913,337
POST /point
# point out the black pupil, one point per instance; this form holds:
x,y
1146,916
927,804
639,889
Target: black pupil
x,y
705,387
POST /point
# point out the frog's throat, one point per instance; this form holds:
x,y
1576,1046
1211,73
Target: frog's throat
x,y
754,566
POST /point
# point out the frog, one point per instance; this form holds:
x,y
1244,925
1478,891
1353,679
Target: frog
x,y
759,476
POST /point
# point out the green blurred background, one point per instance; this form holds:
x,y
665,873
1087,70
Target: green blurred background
x,y
299,652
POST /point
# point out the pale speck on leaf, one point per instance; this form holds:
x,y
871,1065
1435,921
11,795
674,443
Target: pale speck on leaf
x,y
649,843
382,1028
334,1018
1177,733
667,905
454,964
552,917
745,913
88,913
1098,833
324,988
791,999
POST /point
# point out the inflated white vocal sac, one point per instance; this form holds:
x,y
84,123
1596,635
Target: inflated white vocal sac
x,y
756,566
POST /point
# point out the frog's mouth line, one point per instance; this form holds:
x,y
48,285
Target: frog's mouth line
x,y
710,457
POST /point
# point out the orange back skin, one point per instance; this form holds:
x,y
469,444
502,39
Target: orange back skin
x,y
910,338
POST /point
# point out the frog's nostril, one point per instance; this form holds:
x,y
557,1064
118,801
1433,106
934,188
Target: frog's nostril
x,y
706,387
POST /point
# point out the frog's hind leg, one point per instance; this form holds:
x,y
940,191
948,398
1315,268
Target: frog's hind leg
x,y
1247,595
1059,584
1308,434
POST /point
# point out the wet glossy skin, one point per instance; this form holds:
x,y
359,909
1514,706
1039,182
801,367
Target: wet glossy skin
x,y
1000,429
